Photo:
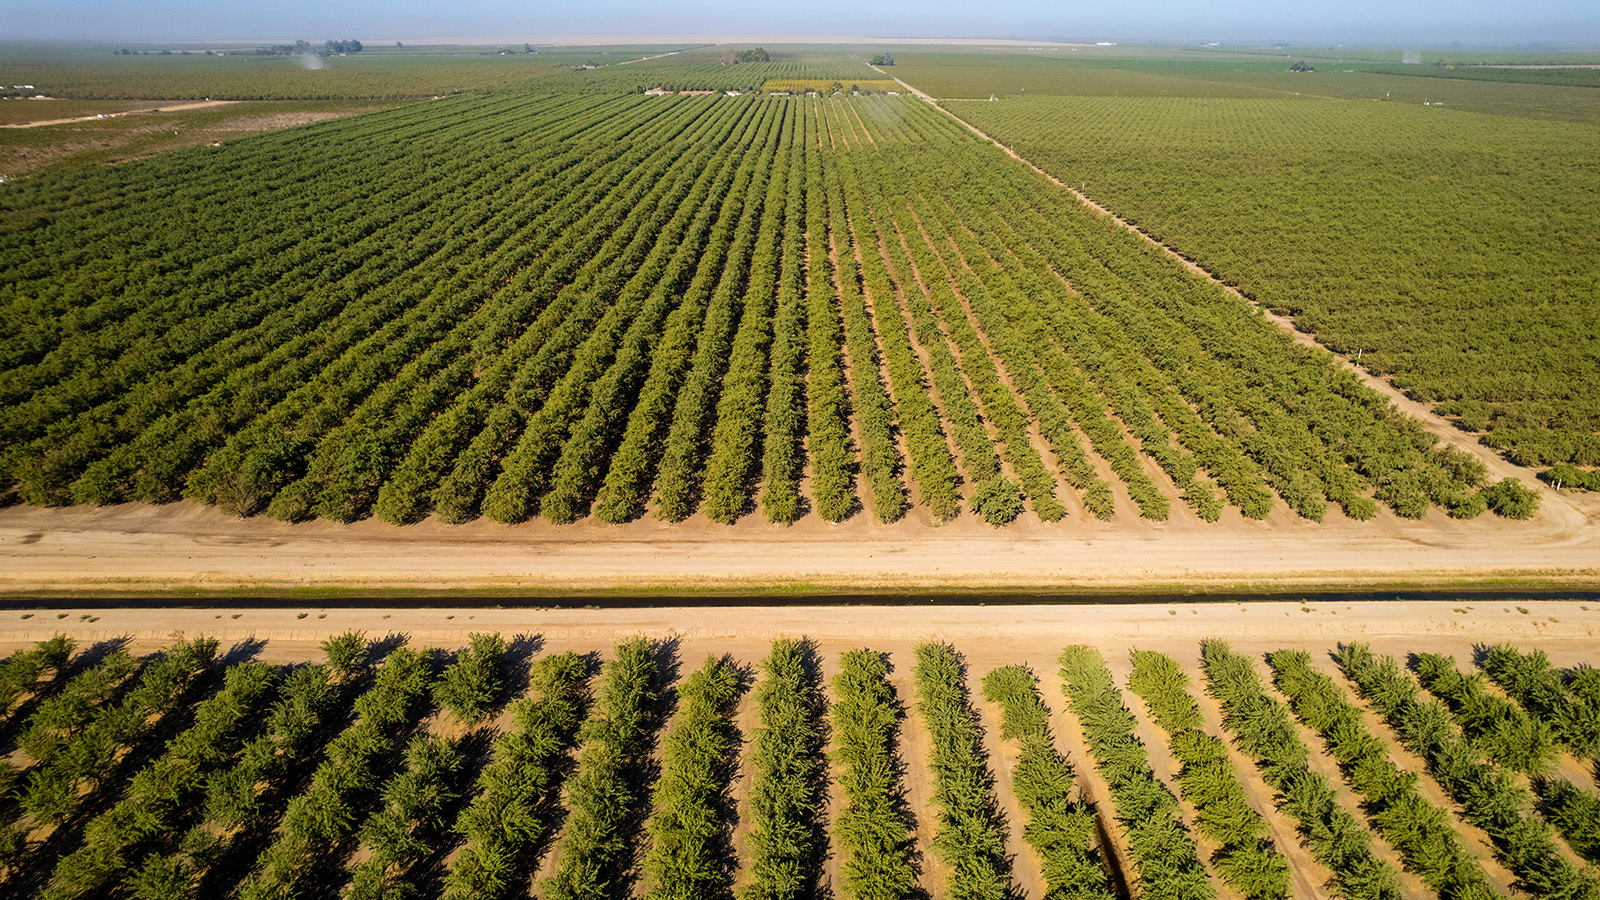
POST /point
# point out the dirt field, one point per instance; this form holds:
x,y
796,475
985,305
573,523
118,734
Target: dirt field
x,y
989,637
44,134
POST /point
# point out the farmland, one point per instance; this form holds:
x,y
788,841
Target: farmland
x,y
1060,751
1393,216
600,305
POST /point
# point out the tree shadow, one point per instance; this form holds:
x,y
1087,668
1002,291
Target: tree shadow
x,y
378,648
517,666
106,787
243,652
1480,654
898,800
642,767
724,803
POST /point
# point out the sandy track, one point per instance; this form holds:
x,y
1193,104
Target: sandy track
x,y
174,107
184,546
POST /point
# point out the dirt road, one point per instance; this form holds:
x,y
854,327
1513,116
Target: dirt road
x,y
184,546
170,107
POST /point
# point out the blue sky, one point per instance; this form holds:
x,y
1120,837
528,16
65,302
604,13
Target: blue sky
x,y
1565,22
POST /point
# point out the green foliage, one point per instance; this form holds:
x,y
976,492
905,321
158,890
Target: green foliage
x,y
688,857
604,793
20,673
58,717
87,756
968,837
1538,687
1417,828
1490,798
1246,858
405,829
997,500
1262,728
471,686
1060,828
512,812
870,829
1499,728
1575,812
346,652
1164,854
1321,230
346,782
1567,475
244,792
697,304
787,792
159,794
1508,498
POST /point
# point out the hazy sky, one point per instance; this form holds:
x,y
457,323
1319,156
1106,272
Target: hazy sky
x,y
1565,22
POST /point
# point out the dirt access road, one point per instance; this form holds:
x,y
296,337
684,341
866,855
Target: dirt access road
x,y
171,107
186,547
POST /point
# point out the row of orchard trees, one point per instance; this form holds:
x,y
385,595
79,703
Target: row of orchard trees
x,y
210,776
1318,233
618,306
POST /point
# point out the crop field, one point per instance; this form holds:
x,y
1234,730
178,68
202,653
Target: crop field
x,y
573,305
515,767
820,85
1417,237
99,72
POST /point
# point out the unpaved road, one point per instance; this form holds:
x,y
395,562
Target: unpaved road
x,y
171,107
183,546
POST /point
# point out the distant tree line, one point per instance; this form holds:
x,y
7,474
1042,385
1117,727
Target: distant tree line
x,y
732,56
304,48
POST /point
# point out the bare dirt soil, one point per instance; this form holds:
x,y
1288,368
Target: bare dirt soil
x,y
988,637
113,131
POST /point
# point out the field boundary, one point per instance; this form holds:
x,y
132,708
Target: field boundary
x,y
1437,425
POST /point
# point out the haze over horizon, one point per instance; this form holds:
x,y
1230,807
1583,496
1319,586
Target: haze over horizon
x,y
1433,22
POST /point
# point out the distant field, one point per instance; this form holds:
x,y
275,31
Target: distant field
x,y
1117,73
376,73
801,85
1455,251
142,133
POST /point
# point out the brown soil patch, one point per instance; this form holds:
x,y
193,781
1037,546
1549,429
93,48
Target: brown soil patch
x,y
274,121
